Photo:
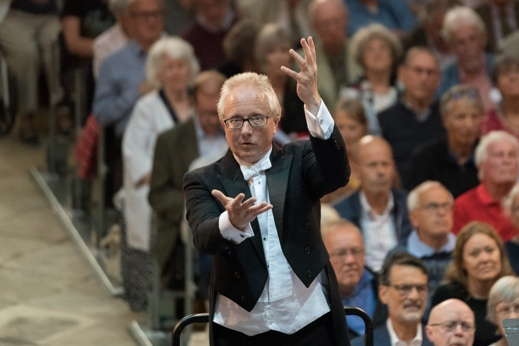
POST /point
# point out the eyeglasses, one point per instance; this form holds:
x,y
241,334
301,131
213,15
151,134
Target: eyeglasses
x,y
508,309
258,120
354,251
406,289
450,326
435,207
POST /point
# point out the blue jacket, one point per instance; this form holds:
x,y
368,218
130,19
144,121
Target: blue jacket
x,y
381,338
451,74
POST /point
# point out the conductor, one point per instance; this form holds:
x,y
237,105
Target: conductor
x,y
257,211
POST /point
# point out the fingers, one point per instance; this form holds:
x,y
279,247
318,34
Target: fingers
x,y
260,208
220,196
289,72
297,57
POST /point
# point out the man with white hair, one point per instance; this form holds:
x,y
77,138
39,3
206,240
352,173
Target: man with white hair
x,y
466,36
497,159
430,207
451,323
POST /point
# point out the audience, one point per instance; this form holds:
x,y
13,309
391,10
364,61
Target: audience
x,y
175,150
450,159
335,62
466,35
403,289
377,50
501,18
478,261
451,323
417,108
239,48
506,115
497,159
503,303
511,207
357,285
379,210
430,208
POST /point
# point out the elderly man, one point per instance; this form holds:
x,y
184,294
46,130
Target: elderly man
x,y
377,209
497,159
430,207
257,212
501,18
451,323
403,289
337,67
357,284
466,36
417,108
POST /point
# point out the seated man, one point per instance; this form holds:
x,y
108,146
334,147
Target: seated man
x,y
497,159
357,284
444,320
417,108
403,289
430,208
379,210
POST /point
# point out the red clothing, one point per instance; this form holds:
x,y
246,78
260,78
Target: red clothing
x,y
493,122
477,205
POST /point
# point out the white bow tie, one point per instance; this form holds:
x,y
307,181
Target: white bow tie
x,y
256,169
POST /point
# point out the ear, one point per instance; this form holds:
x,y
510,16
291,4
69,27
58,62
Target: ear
x,y
414,218
383,294
429,332
401,73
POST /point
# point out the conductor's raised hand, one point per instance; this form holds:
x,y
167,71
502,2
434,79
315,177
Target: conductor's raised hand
x,y
240,212
306,78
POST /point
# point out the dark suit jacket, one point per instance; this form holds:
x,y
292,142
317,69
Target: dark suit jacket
x,y
301,173
351,209
381,338
485,12
175,149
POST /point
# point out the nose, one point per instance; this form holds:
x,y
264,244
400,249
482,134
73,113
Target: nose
x,y
246,128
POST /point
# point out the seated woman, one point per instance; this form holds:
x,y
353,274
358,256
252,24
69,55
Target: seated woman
x,y
503,303
511,208
506,116
272,46
377,50
478,261
170,67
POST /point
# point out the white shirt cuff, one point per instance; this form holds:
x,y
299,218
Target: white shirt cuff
x,y
231,233
320,125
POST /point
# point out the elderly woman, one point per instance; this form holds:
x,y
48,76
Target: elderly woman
x,y
238,46
506,116
503,303
466,36
511,207
478,261
171,67
377,50
272,46
450,159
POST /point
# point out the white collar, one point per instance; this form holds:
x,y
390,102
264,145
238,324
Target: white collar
x,y
366,208
395,341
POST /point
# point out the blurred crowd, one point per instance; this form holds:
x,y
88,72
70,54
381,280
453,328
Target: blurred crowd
x,y
425,234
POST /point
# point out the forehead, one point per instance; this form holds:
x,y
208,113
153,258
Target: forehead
x,y
435,193
245,100
141,5
465,30
422,59
344,237
406,274
463,104
479,240
454,313
376,150
500,146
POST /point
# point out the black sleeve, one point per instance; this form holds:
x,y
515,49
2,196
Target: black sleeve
x,y
73,8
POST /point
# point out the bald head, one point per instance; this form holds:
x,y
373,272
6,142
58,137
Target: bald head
x,y
329,20
451,323
376,165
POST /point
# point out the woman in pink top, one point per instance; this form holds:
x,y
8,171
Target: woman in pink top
x,y
506,116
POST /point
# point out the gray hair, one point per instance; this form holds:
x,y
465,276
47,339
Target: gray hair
x,y
175,48
459,92
413,199
481,152
375,31
506,289
270,37
119,7
255,80
461,15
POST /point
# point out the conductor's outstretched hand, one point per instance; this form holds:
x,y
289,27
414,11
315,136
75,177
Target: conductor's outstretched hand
x,y
240,212
306,78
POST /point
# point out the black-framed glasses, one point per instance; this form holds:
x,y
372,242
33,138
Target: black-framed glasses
x,y
354,251
435,207
450,326
257,120
406,289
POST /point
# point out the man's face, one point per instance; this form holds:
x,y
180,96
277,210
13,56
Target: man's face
x,y
453,327
376,167
147,20
406,294
501,165
346,249
206,101
468,44
330,23
434,214
248,143
213,11
421,77
463,122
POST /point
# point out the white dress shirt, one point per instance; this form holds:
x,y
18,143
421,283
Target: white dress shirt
x,y
286,304
379,232
395,341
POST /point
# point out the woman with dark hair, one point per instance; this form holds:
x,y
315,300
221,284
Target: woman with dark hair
x,y
478,261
